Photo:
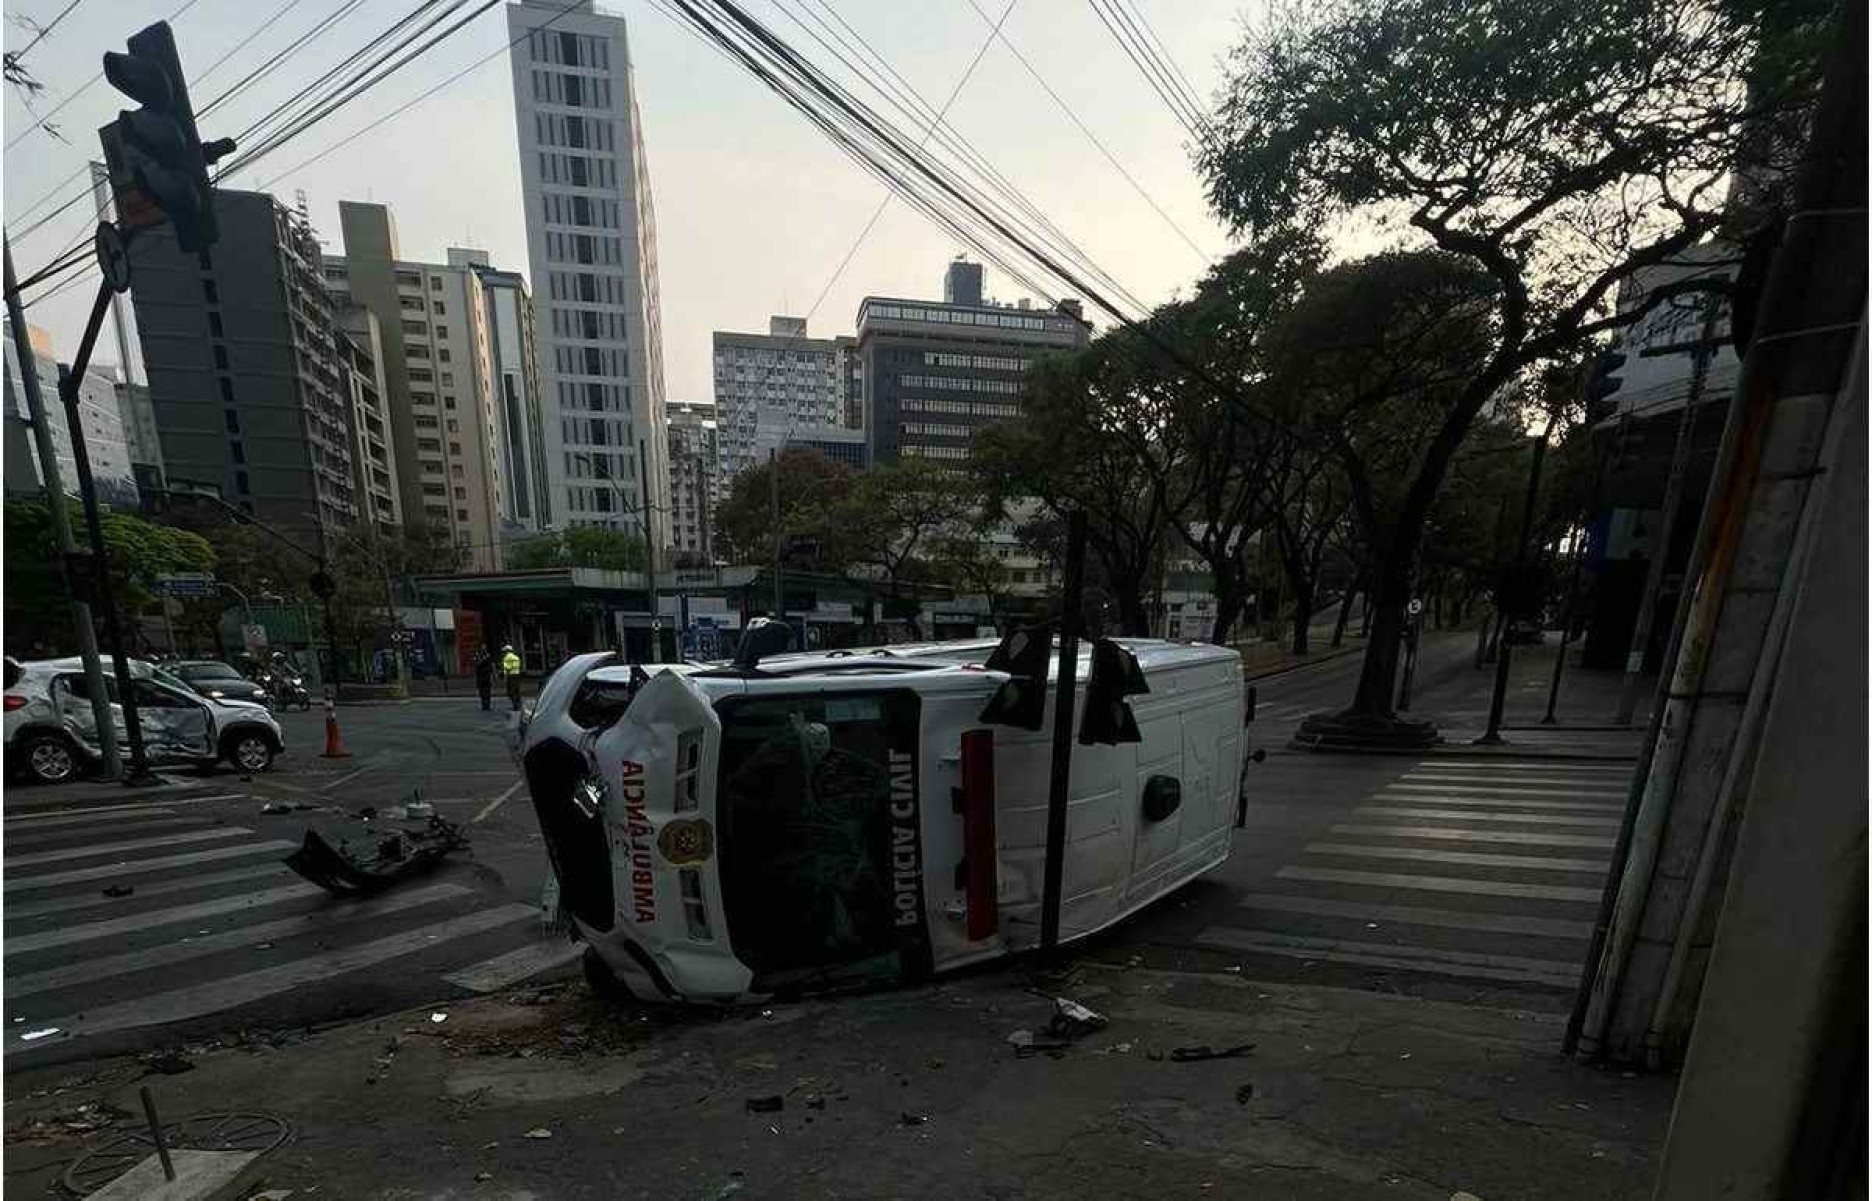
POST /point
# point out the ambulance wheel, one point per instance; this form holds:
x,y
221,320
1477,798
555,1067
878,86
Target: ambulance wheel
x,y
602,979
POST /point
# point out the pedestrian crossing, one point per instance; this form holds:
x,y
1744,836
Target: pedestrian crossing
x,y
1478,870
142,919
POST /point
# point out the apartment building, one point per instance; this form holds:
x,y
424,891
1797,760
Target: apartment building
x,y
591,244
695,479
373,458
780,388
245,377
101,416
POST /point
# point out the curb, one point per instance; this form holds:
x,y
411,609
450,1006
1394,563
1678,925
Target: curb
x,y
1293,667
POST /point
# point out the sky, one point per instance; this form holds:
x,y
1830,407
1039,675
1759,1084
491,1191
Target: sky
x,y
754,207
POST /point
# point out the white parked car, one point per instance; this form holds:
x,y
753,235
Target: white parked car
x,y
818,820
51,733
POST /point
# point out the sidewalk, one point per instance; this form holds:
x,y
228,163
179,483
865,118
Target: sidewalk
x,y
915,1093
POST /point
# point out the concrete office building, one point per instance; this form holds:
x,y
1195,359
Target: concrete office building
x,y
779,387
935,373
526,500
695,479
140,436
373,454
438,366
107,440
591,242
243,369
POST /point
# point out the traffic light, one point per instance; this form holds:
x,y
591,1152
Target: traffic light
x,y
1021,699
1107,717
163,154
1602,383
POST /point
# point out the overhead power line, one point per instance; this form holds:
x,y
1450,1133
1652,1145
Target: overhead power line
x,y
19,55
279,57
1135,13
1188,117
40,122
417,99
1111,158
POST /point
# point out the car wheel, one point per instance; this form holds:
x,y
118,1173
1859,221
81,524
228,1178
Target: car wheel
x,y
602,979
251,753
49,759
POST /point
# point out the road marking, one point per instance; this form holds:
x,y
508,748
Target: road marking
x,y
137,813
1506,790
496,803
16,882
1545,863
1510,769
1453,834
1590,807
214,996
373,761
502,970
1514,969
1511,781
135,844
42,837
1412,915
189,884
42,814
86,971
200,911
1481,815
1485,888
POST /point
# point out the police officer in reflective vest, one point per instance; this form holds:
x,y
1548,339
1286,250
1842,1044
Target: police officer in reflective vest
x,y
510,668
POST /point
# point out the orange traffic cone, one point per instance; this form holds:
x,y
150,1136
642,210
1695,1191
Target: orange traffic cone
x,y
334,743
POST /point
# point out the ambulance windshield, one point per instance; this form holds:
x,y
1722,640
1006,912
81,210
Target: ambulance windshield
x,y
805,809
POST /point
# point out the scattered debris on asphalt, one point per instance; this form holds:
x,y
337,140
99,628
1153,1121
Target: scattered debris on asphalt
x,y
539,1132
773,1104
1027,1044
481,1176
418,810
119,890
36,1035
438,1018
1205,1052
167,1063
393,858
1073,1020
915,1119
1244,1094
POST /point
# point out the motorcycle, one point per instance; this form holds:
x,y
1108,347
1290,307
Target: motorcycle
x,y
288,689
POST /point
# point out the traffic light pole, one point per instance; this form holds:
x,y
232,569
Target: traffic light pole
x,y
82,628
1511,599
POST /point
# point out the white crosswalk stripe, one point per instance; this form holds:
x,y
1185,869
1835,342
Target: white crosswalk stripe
x,y
126,919
1480,870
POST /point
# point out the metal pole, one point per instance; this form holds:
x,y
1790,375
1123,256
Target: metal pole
x,y
1499,698
650,562
1059,780
83,630
156,1133
1667,521
773,492
94,525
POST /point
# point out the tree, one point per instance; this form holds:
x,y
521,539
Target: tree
x,y
811,488
578,546
1552,150
138,550
892,517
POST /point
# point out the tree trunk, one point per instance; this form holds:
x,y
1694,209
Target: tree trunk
x,y
1302,615
1228,594
1345,613
1389,594
1364,628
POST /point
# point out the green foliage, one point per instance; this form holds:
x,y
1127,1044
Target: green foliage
x,y
138,550
580,546
811,490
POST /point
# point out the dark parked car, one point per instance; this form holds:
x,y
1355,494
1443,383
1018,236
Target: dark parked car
x,y
218,680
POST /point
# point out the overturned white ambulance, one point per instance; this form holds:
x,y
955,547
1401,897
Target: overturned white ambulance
x,y
730,832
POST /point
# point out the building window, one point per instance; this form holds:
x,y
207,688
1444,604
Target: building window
x,y
232,419
214,324
440,310
461,514
442,354
435,283
240,482
235,452
227,389
220,357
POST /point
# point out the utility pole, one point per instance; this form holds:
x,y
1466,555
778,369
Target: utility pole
x,y
83,630
1511,597
650,556
1059,779
1667,521
773,494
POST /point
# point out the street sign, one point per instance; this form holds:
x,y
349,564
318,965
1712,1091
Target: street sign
x,y
1416,606
254,637
187,583
113,257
